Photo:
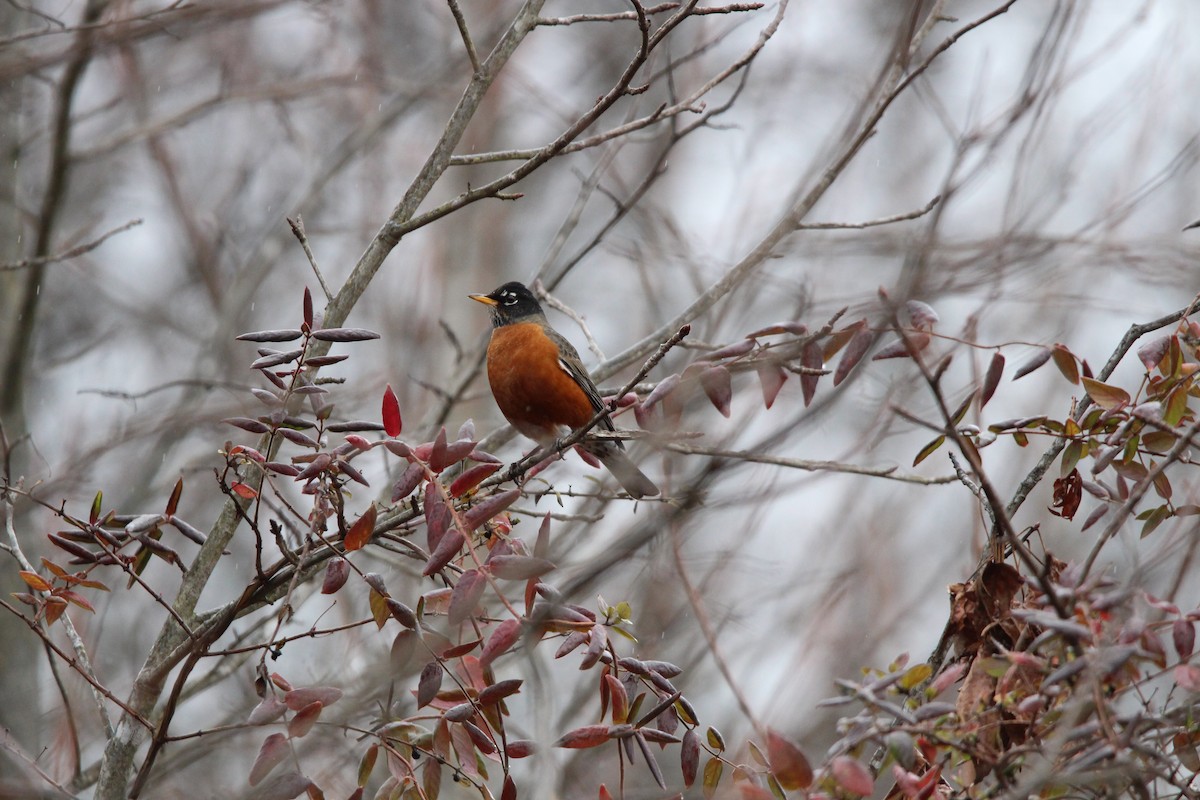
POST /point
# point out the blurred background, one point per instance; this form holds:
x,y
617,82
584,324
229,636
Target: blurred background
x,y
1060,136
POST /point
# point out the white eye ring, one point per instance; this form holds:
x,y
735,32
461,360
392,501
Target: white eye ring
x,y
510,299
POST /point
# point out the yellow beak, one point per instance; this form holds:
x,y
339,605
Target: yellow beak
x,y
483,298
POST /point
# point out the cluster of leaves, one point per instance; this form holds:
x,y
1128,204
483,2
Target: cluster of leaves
x,y
1054,694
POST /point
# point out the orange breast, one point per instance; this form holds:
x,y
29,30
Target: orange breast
x,y
531,389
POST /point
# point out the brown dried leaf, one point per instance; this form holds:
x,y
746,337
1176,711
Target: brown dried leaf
x,y
1105,396
360,532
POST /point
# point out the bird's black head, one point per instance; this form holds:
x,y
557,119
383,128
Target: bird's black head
x,y
512,302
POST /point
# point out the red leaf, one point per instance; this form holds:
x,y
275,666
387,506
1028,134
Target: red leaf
x,y
173,503
518,568
520,748
1064,359
718,386
992,379
429,683
500,641
771,378
587,736
409,480
852,775
274,749
297,699
360,532
1040,358
34,581
392,424
1184,633
498,691
242,490
336,573
855,350
509,792
689,757
466,595
489,507
788,764
471,478
451,542
305,718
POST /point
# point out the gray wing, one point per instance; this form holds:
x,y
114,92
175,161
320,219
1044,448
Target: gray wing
x,y
572,364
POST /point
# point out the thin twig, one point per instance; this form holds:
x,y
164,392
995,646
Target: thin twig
x,y
809,465
559,305
297,226
871,223
461,22
67,255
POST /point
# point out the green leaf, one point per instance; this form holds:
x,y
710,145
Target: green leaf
x,y
928,449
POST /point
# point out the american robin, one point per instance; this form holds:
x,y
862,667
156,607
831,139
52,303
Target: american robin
x,y
541,385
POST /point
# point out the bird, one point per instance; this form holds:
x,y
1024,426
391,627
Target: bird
x,y
541,386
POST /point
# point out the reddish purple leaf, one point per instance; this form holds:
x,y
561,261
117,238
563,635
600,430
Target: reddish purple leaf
x,y
771,378
392,424
489,507
689,757
466,596
337,571
345,335
273,750
1064,359
283,335
794,328
451,542
1187,676
500,641
247,424
587,736
664,387
308,307
1152,352
520,748
852,775
283,786
992,379
498,691
297,699
718,386
409,481
921,315
1040,358
519,568
429,683
734,350
471,478
1183,633
855,350
788,764
305,718
903,348
269,709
